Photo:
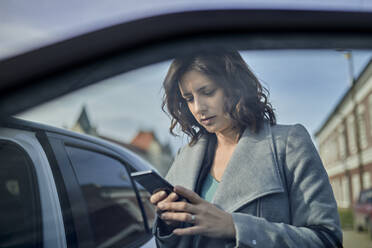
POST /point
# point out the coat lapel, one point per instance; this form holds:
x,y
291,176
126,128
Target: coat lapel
x,y
252,172
187,165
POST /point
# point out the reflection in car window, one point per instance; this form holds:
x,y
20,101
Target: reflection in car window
x,y
113,210
19,208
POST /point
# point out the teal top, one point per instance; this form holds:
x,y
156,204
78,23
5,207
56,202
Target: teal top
x,y
209,187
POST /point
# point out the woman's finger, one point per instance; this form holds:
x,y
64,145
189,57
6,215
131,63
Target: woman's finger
x,y
172,197
158,196
177,216
188,230
180,206
188,194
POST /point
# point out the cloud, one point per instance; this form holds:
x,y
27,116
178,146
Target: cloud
x,y
18,38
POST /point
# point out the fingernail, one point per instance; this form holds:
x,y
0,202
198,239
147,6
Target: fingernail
x,y
161,205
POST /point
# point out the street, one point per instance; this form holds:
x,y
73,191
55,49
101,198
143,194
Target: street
x,y
354,239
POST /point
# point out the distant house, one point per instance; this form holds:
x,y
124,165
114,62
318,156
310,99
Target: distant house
x,y
159,155
345,141
144,143
83,124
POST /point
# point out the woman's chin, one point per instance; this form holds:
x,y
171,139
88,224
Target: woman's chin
x,y
210,129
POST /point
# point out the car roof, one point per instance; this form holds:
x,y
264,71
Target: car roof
x,y
130,156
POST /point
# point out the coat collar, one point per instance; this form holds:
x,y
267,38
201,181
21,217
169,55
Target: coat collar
x,y
252,171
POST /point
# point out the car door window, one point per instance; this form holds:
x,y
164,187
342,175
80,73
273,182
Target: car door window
x,y
20,218
114,213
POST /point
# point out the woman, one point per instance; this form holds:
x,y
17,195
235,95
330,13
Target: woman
x,y
248,181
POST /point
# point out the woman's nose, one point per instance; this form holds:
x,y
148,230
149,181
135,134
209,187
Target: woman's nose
x,y
200,106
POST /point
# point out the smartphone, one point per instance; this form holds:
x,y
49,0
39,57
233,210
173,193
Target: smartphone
x,y
152,181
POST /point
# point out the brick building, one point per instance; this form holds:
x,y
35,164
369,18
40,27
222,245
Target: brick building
x,y
345,141
160,155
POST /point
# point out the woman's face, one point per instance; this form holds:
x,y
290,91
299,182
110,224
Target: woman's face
x,y
205,101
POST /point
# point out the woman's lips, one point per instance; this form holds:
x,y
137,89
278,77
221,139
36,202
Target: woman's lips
x,y
207,121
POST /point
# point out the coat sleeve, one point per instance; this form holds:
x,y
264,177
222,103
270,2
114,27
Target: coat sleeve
x,y
310,197
168,240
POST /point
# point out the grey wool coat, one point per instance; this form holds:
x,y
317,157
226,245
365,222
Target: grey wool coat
x,y
275,186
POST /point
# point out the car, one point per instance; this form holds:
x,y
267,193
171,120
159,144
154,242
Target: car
x,y
363,211
59,188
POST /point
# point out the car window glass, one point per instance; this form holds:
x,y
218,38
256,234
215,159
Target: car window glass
x,y
114,213
19,204
311,87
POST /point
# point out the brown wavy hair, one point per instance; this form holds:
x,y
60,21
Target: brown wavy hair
x,y
246,100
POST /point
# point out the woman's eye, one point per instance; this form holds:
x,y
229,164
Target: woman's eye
x,y
209,93
189,99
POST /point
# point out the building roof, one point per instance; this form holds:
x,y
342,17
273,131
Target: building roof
x,y
358,82
143,140
126,145
84,123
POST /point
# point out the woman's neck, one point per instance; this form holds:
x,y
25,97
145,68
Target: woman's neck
x,y
229,138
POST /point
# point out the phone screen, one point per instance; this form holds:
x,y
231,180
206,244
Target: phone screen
x,y
152,182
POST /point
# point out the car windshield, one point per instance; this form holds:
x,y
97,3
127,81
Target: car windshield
x,y
306,86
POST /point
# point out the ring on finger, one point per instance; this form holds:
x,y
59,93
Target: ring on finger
x,y
193,218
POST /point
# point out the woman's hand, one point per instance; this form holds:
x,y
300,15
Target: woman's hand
x,y
162,197
208,220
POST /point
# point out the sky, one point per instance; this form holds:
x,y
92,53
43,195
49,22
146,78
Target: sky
x,y
304,86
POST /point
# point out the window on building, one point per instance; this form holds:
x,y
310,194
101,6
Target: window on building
x,y
113,209
351,135
367,180
362,128
20,213
345,192
341,143
334,149
356,186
